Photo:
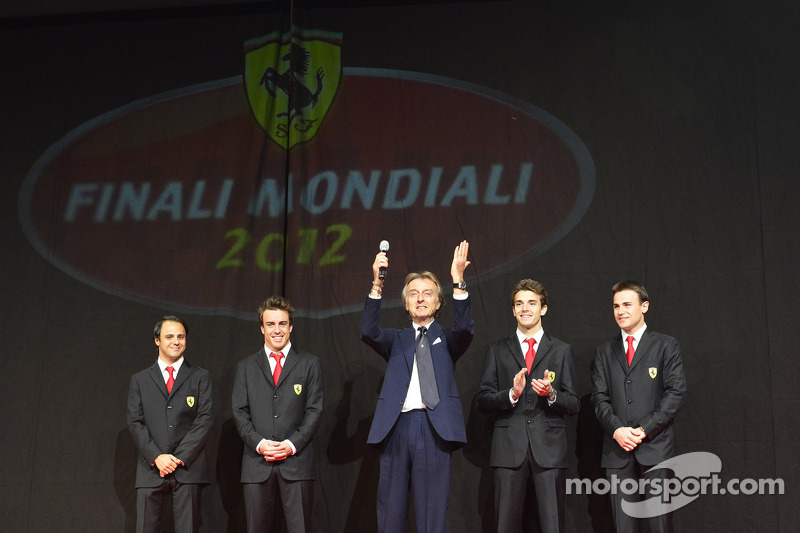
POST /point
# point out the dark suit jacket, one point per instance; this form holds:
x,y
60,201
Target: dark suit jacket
x,y
531,420
648,394
177,423
292,410
397,346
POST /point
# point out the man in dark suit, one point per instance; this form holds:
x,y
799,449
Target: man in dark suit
x,y
638,386
277,406
529,439
418,420
169,416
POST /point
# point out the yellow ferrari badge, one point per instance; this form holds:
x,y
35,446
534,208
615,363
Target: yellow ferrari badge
x,y
653,371
190,401
291,81
551,376
298,389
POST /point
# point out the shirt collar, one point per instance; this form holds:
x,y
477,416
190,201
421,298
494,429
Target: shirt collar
x,y
285,350
427,325
176,365
636,336
538,336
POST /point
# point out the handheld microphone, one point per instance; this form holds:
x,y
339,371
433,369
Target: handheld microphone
x,y
384,247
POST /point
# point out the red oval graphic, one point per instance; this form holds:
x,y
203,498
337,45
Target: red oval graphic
x,y
181,199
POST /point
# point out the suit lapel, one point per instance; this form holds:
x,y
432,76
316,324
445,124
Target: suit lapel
x,y
541,353
408,344
183,375
158,379
289,363
435,333
619,353
644,345
516,351
263,364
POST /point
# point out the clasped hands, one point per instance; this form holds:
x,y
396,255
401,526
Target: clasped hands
x,y
542,387
629,438
167,463
275,451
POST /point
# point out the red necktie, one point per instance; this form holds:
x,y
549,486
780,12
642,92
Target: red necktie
x,y
170,379
629,353
530,355
277,373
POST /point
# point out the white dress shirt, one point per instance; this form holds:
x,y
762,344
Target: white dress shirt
x,y
176,366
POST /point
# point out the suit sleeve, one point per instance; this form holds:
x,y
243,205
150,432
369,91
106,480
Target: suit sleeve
x,y
195,439
371,332
313,410
490,397
567,401
147,447
240,402
674,392
459,336
601,398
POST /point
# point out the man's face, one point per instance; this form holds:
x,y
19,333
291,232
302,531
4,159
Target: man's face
x,y
629,311
172,342
528,311
276,329
422,300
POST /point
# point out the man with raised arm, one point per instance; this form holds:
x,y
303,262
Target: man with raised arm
x,y
419,419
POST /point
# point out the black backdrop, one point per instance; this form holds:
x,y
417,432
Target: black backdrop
x,y
689,113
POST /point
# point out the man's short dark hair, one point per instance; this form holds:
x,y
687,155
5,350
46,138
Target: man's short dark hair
x,y
530,285
631,285
169,318
276,303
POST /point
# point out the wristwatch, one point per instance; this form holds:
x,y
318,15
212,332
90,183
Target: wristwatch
x,y
551,398
460,285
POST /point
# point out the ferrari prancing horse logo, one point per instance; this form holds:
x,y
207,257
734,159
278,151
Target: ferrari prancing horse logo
x,y
291,81
190,401
551,376
653,371
298,389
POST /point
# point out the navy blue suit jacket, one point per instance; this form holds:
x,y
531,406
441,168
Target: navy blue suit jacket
x,y
397,347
